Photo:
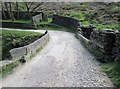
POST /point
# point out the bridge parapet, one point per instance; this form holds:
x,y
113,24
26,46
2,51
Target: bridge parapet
x,y
106,41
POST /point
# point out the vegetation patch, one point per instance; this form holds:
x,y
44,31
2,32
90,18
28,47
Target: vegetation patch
x,y
113,71
8,69
14,39
109,26
78,15
48,25
84,19
45,22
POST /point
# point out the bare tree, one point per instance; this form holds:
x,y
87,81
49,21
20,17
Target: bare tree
x,y
32,8
3,11
11,12
28,9
17,8
6,5
36,7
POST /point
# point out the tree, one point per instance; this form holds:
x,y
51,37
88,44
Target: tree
x,y
17,8
9,7
6,5
32,8
11,12
3,11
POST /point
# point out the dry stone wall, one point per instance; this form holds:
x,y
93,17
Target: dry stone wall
x,y
23,15
104,43
85,30
65,21
18,25
74,24
105,40
117,47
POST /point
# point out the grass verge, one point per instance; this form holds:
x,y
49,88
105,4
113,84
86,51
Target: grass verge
x,y
49,27
113,71
8,69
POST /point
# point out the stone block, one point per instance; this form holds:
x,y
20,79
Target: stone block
x,y
18,53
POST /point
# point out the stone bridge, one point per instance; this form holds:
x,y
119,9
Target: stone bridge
x,y
64,62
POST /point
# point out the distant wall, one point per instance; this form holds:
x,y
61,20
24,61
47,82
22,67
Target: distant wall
x,y
38,18
72,23
35,18
23,15
65,21
18,25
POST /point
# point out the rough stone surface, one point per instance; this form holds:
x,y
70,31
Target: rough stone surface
x,y
37,18
65,21
117,47
40,43
105,40
63,62
18,53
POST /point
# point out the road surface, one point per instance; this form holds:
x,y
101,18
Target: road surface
x,y
63,62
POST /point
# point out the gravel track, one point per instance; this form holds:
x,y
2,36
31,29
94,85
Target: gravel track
x,y
63,62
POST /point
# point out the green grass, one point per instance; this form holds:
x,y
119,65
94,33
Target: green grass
x,y
48,25
83,19
86,23
8,69
109,26
101,26
17,21
113,71
78,15
13,39
45,22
